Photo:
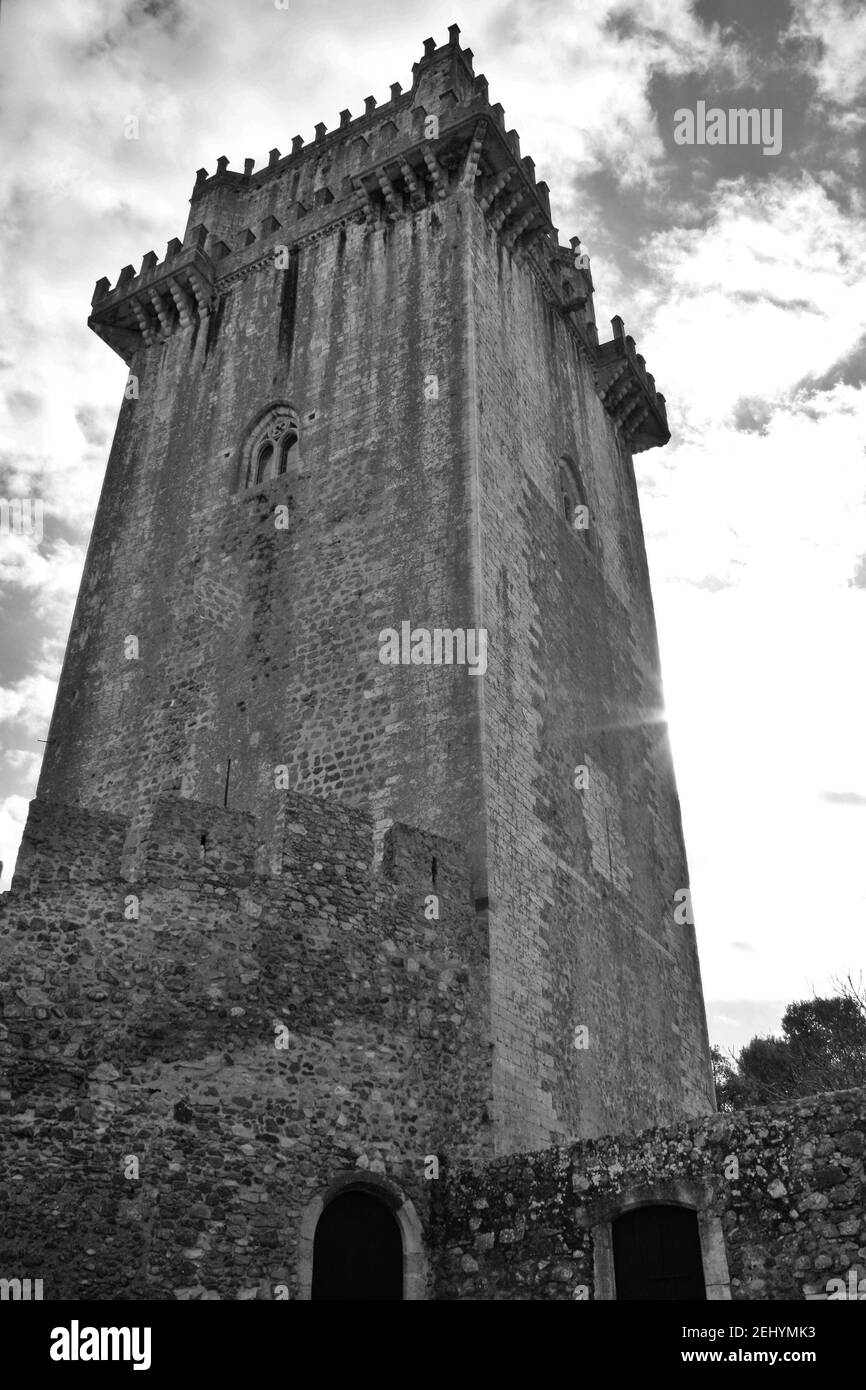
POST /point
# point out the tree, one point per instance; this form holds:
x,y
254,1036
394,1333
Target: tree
x,y
822,1048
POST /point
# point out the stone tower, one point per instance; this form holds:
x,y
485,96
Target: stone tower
x,y
367,397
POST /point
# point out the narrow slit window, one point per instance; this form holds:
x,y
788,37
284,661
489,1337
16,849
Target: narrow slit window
x,y
572,496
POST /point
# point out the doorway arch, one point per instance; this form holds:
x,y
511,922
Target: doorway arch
x,y
357,1251
696,1196
346,1219
657,1254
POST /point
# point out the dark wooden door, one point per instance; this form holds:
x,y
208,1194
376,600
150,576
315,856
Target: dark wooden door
x,y
358,1251
657,1255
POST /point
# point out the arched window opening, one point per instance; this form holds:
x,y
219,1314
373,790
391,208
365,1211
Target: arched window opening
x,y
357,1251
265,458
657,1255
270,447
289,443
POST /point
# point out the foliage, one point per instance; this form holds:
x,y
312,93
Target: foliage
x,y
822,1048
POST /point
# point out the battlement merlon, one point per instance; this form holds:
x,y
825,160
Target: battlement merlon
x,y
442,81
418,148
628,391
146,308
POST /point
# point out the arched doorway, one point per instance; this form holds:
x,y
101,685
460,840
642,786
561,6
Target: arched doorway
x,y
357,1251
657,1254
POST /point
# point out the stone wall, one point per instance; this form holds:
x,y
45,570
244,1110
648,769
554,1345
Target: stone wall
x,y
194,1050
780,1193
261,645
582,879
420,329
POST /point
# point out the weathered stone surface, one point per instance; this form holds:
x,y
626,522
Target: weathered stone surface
x,y
432,350
565,1193
158,1136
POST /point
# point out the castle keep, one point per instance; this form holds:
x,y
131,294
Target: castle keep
x,y
294,925
387,319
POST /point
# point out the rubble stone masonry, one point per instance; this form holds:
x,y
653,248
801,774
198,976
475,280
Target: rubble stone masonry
x,y
180,1084
779,1192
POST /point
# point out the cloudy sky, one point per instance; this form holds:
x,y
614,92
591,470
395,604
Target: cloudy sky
x,y
740,274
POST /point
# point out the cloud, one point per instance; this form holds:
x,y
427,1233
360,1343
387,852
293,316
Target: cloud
x,y
750,416
20,758
734,1022
23,404
586,108
29,702
839,28
96,423
723,291
804,306
845,798
13,814
848,370
711,582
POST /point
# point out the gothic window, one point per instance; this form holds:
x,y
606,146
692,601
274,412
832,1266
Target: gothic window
x,y
270,448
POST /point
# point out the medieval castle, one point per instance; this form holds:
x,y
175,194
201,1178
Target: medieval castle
x,y
329,973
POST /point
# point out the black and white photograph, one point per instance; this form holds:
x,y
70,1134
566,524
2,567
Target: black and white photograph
x,y
433,669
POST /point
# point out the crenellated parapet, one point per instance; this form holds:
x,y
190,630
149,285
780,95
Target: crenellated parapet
x,y
393,160
147,308
442,138
629,393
